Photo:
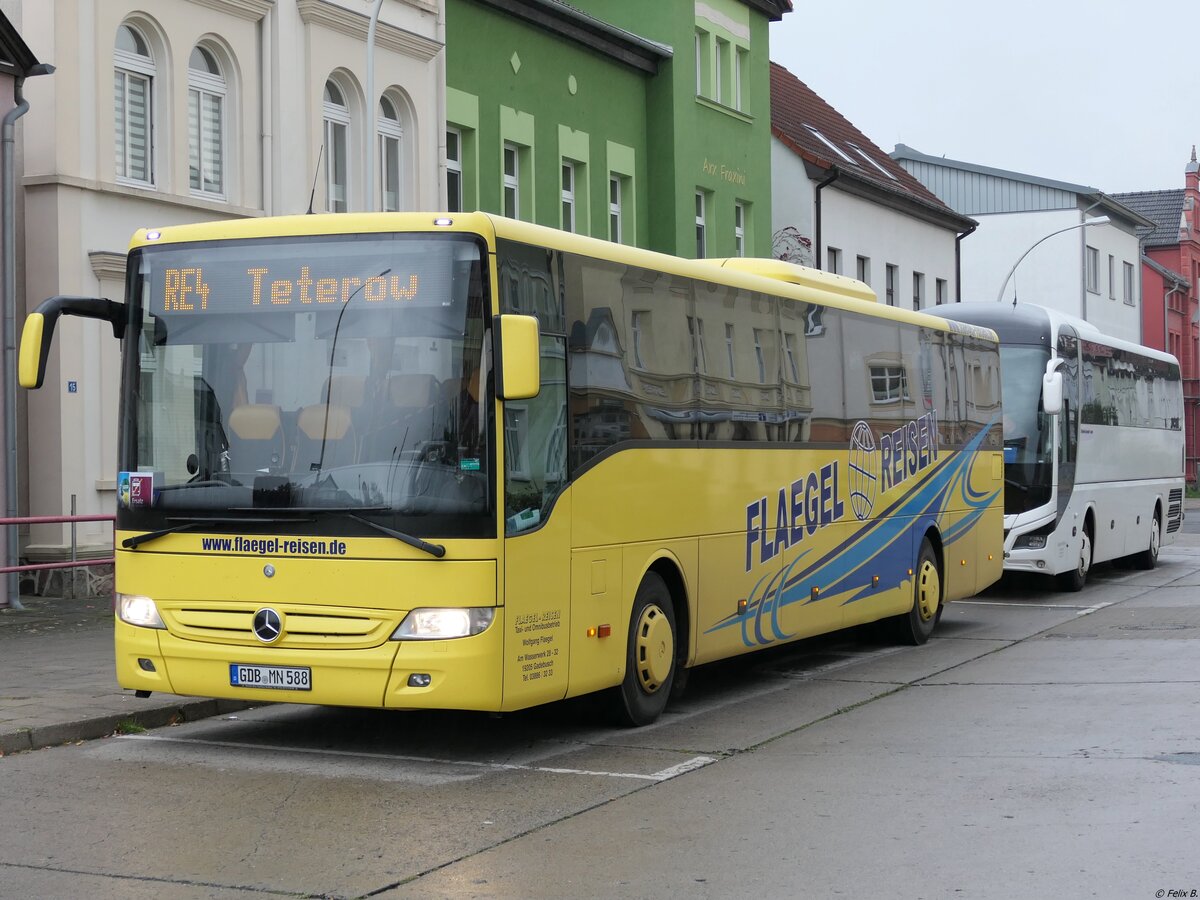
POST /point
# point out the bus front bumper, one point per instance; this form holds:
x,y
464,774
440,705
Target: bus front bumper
x,y
462,673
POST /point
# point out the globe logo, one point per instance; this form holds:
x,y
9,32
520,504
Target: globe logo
x,y
864,470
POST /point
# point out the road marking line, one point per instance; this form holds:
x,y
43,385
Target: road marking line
x,y
1098,606
695,762
1024,605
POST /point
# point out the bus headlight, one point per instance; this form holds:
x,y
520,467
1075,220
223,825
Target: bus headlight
x,y
440,624
138,610
1030,542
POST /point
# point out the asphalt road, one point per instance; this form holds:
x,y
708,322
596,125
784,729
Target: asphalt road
x,y
1041,745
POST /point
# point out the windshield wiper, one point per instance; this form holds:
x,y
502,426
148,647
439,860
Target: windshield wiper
x,y
138,539
432,549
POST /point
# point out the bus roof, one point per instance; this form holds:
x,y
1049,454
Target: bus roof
x,y
767,276
1029,323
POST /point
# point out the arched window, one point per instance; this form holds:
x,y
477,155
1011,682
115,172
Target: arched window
x,y
206,123
337,128
390,136
133,101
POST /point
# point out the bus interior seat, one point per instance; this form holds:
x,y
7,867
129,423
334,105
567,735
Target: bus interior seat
x,y
256,439
345,390
325,437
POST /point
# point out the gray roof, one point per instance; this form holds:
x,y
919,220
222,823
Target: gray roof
x,y
1163,208
903,151
979,190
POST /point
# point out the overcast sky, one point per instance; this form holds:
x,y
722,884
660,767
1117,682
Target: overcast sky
x,y
1103,93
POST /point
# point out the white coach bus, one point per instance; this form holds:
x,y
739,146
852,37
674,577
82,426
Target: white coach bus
x,y
1093,443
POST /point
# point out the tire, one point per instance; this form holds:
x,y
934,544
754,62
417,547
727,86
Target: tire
x,y
915,626
650,655
1147,559
1073,581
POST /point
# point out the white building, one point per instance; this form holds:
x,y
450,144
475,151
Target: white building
x,y
841,204
192,110
1087,271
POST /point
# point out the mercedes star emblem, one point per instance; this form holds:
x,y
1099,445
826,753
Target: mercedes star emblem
x,y
268,625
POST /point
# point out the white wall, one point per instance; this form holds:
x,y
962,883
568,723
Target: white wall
x,y
860,227
1052,274
792,195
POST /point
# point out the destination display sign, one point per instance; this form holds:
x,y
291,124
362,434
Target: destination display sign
x,y
243,278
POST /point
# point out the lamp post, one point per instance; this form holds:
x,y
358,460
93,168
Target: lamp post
x,y
1099,220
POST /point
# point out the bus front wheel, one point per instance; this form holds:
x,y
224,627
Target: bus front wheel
x,y
1075,579
650,656
915,626
1148,558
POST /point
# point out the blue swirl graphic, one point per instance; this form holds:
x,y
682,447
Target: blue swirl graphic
x,y
882,546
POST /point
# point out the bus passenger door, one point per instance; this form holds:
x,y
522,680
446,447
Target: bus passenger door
x,y
1067,450
537,538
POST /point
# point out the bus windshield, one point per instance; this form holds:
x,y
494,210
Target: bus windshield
x,y
1028,432
304,375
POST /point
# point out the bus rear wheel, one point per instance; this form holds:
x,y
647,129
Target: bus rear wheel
x,y
915,626
650,656
1074,580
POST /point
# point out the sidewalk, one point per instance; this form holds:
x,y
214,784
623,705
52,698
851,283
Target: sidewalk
x,y
57,682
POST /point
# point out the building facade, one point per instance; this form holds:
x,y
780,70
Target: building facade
x,y
645,123
841,204
1170,276
17,63
1086,270
194,110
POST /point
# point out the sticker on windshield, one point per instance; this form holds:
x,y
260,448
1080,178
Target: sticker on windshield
x,y
468,465
135,489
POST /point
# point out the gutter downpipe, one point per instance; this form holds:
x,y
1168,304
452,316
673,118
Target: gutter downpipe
x,y
958,262
372,111
1166,312
11,595
834,172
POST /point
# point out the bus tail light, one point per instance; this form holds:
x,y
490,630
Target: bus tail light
x,y
134,609
438,624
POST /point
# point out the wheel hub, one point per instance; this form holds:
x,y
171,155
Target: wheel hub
x,y
929,590
654,648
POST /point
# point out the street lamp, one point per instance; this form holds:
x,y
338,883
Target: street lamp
x,y
1099,220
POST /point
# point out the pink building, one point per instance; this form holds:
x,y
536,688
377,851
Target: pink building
x,y
1171,288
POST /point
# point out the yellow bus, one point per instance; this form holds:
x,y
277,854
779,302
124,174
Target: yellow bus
x,y
464,462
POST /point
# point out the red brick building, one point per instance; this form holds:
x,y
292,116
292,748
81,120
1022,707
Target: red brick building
x,y
1171,288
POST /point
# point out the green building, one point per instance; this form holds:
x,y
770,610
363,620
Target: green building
x,y
643,122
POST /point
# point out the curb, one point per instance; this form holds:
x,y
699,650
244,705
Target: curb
x,y
104,726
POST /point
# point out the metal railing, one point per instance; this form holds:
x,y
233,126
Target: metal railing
x,y
14,600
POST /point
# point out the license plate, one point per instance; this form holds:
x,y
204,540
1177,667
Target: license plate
x,y
278,678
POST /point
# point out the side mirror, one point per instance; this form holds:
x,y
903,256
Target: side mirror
x,y
1052,388
39,331
518,353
